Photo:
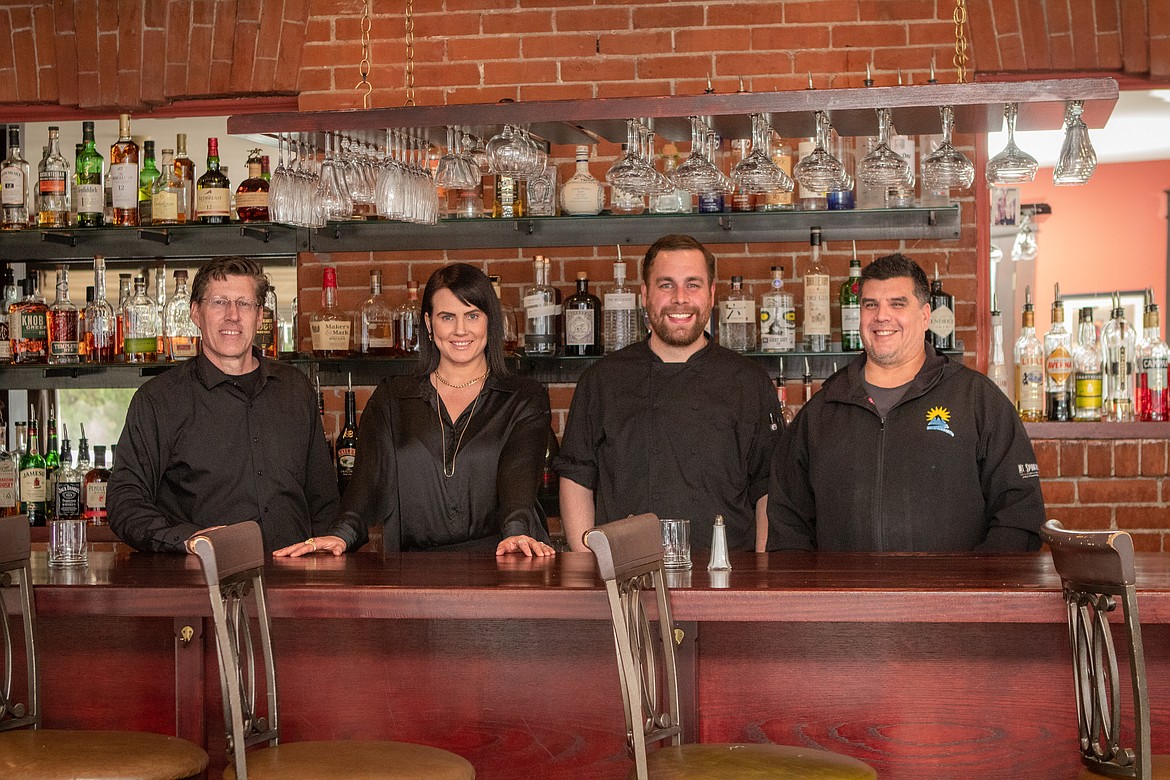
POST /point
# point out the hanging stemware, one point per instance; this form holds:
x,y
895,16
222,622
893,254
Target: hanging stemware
x,y
756,173
697,173
820,171
883,167
1078,159
946,167
1013,165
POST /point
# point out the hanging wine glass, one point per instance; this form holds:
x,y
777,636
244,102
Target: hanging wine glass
x,y
820,171
1078,159
883,167
697,174
756,173
1013,165
1024,247
946,167
631,173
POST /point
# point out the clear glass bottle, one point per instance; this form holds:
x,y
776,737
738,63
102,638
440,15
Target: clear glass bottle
x,y
140,325
1029,354
809,200
677,201
184,168
1118,345
146,179
997,360
541,193
850,300
1087,370
9,298
123,176
125,292
9,498
741,198
266,331
375,321
1153,357
777,316
94,488
817,322
101,322
183,334
34,479
941,333
625,202
782,159
15,185
582,328
1058,366
53,185
168,197
619,312
28,324
91,196
407,318
63,319
737,318
508,313
67,503
329,326
160,303
213,194
542,315
582,194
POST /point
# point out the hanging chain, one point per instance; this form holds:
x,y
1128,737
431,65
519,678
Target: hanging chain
x,y
410,52
364,65
961,58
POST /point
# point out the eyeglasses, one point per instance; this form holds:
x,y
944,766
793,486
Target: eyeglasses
x,y
243,305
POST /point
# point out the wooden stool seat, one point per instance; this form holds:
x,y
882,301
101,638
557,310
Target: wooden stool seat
x,y
49,754
1161,771
747,761
355,761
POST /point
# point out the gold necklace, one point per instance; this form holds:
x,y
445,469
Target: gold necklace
x,y
465,384
443,430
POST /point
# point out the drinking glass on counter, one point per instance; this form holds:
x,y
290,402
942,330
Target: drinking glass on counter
x,y
676,544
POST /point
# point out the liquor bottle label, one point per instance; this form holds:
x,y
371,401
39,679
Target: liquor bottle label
x,y
1155,370
33,485
95,499
1030,387
165,207
346,457
777,327
91,198
619,302
67,501
330,335
579,331
378,342
7,484
247,200
142,345
545,310
1058,365
212,202
942,322
737,312
123,183
63,348
851,319
532,301
1088,389
31,326
12,186
52,183
183,347
816,305
265,333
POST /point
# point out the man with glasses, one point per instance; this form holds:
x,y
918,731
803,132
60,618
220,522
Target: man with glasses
x,y
226,437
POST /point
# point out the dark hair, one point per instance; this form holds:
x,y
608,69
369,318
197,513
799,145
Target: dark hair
x,y
895,266
673,243
220,268
471,286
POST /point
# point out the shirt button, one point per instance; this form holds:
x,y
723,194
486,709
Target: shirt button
x,y
255,438
654,451
259,473
655,406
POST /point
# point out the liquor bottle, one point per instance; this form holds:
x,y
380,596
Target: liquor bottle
x,y
53,185
582,320
52,463
782,159
213,194
140,326
509,198
1117,345
101,322
9,297
374,322
34,479
817,325
1058,365
786,412
264,172
94,488
619,312
997,361
508,314
1029,354
160,305
623,202
902,195
407,317
941,333
712,201
168,198
66,481
850,299
1153,357
541,193
28,325
676,201
252,194
182,339
62,321
737,318
266,330
90,190
806,382
347,440
125,292
329,326
184,168
286,331
777,316
582,195
809,200
77,149
146,181
82,353
1087,371
19,444
123,176
15,185
541,312
9,500
741,198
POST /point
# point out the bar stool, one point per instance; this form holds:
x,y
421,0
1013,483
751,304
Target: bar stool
x,y
27,750
1096,573
233,559
629,559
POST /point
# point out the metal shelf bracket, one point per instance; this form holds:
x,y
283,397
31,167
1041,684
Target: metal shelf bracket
x,y
258,232
55,237
162,236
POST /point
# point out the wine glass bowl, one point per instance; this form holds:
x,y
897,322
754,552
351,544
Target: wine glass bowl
x,y
1013,165
756,173
1078,159
820,171
946,167
883,167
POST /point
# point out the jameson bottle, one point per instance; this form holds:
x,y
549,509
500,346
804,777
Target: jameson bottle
x,y
34,479
817,326
582,320
91,196
1087,375
1058,365
942,316
1029,354
850,298
123,178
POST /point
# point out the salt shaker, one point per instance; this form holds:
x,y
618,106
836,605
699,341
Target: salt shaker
x,y
719,559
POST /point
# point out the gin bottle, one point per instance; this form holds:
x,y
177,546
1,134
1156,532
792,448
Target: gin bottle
x,y
619,308
941,334
1029,354
777,316
737,318
582,320
1153,356
542,314
140,325
817,327
1117,345
851,306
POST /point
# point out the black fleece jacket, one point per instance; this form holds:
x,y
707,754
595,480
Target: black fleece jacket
x,y
950,468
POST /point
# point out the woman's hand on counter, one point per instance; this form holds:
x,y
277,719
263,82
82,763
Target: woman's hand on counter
x,y
525,544
314,544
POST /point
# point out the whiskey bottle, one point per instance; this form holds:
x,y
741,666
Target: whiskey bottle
x,y
1058,365
53,185
125,292
1117,344
850,298
777,316
1153,357
140,326
782,159
91,195
28,324
183,336
582,320
213,195
997,361
582,194
94,488
347,440
266,330
737,318
101,323
34,479
168,198
374,322
123,176
146,181
67,504
329,326
541,312
252,194
1087,376
184,168
509,198
508,313
407,317
15,185
9,298
817,325
1029,354
9,500
63,324
619,312
160,305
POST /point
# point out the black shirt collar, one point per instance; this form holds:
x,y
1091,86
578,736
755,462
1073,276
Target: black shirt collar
x,y
210,376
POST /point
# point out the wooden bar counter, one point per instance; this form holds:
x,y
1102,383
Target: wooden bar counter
x,y
926,666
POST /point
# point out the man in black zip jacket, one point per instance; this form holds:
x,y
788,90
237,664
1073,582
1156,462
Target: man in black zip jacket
x,y
904,449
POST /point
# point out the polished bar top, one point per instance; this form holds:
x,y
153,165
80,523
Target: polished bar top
x,y
816,587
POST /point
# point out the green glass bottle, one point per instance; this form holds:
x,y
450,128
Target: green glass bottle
x,y
34,481
91,195
147,176
851,309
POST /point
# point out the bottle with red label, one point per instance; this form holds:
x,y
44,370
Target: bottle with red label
x,y
1058,365
94,488
213,195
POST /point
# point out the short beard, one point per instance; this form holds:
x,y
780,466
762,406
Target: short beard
x,y
662,329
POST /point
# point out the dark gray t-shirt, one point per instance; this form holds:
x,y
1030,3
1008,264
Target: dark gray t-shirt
x,y
885,398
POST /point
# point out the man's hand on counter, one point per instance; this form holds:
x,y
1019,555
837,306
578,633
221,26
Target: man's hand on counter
x,y
314,544
525,544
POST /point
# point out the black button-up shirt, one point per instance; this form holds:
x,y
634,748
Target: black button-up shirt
x,y
199,450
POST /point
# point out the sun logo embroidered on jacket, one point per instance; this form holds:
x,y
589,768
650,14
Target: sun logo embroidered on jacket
x,y
937,419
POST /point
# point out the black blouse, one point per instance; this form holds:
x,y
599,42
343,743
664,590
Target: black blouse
x,y
399,480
